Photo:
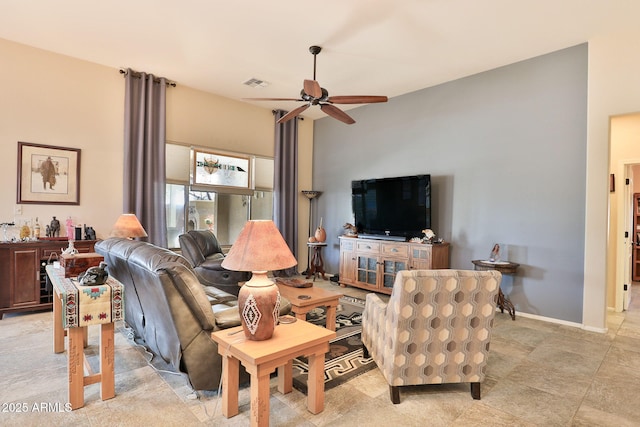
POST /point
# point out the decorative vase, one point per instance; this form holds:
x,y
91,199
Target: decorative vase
x,y
320,234
259,304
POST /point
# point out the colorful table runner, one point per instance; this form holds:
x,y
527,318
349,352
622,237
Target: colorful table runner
x,y
87,305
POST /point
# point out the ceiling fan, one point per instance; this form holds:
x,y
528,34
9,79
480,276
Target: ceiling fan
x,y
313,94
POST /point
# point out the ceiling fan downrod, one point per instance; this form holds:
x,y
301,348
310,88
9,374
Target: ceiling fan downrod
x,y
315,50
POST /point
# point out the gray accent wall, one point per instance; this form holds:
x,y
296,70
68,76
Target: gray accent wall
x,y
506,151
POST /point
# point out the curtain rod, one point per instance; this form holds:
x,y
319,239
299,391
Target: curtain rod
x,y
137,74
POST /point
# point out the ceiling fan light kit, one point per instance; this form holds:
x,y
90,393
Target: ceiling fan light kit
x,y
313,94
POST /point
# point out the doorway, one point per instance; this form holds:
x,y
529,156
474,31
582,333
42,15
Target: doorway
x,y
624,160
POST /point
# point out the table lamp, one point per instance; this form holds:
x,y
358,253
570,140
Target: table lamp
x,y
259,248
128,226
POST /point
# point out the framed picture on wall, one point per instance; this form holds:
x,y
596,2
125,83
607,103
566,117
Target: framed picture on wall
x,y
48,174
220,170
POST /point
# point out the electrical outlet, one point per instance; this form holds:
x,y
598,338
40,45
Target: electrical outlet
x,y
18,210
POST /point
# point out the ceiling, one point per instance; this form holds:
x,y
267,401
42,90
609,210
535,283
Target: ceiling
x,y
370,47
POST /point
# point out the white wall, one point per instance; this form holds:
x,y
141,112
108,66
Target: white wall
x,y
52,99
55,100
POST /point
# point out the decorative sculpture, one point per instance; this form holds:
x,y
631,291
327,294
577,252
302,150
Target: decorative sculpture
x,y
70,231
54,227
89,233
94,276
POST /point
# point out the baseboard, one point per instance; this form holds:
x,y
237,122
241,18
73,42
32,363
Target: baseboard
x,y
598,330
562,322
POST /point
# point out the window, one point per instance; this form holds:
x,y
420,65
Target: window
x,y
221,210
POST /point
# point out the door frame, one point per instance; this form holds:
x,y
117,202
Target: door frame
x,y
625,223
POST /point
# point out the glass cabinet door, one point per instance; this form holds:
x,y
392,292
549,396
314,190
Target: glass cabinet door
x,y
391,268
367,270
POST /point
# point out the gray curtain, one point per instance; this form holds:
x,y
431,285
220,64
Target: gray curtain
x,y
285,203
144,152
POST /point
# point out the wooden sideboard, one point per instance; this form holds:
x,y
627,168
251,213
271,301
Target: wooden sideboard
x,y
373,264
22,273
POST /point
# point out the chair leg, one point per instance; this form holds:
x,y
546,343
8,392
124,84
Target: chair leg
x,y
365,351
394,393
475,391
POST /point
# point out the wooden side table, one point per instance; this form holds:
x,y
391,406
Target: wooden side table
x,y
74,309
261,358
317,265
504,267
303,300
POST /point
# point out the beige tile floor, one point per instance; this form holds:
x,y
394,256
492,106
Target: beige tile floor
x,y
539,374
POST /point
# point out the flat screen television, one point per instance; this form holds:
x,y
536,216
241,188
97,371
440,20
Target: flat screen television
x,y
392,208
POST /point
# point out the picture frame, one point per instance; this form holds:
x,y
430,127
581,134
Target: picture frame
x,y
220,169
48,175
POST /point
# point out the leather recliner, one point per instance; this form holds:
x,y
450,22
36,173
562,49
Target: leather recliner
x,y
171,311
202,250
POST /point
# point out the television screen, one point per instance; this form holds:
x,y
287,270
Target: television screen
x,y
392,207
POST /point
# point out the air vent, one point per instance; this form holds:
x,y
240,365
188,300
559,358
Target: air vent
x,y
253,82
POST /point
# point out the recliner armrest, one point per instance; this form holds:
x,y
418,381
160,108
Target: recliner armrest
x,y
213,262
285,306
228,318
219,295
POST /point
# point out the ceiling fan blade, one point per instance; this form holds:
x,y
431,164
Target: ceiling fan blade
x,y
293,113
357,99
337,113
273,99
312,87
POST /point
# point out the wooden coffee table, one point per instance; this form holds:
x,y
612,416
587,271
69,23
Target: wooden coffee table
x,y
303,300
261,358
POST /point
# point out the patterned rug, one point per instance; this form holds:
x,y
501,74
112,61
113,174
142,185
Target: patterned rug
x,y
344,360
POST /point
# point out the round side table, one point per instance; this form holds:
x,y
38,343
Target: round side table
x,y
504,267
317,265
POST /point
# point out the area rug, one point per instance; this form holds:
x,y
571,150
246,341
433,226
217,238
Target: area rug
x,y
344,360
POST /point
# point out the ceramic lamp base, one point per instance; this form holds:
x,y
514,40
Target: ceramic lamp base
x,y
259,305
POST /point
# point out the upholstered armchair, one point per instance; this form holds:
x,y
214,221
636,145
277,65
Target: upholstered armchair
x,y
435,329
202,250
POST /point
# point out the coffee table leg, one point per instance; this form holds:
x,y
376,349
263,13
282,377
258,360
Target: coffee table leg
x,y
331,317
230,378
107,355
315,383
58,330
260,398
285,377
75,354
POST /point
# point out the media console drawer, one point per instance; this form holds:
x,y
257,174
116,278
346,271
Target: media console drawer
x,y
395,249
368,246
